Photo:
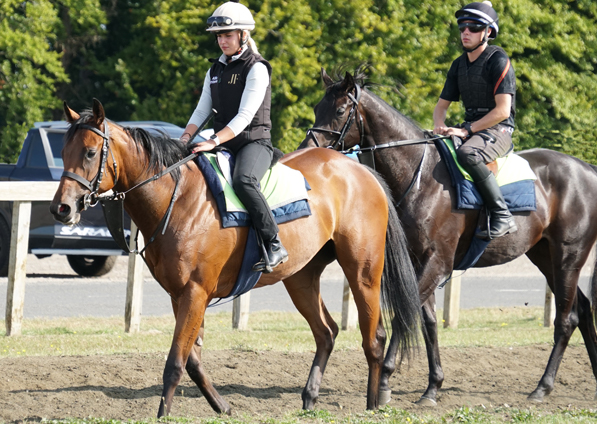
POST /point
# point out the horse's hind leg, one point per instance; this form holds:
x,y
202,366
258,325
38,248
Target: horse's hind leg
x,y
562,277
303,288
587,329
365,286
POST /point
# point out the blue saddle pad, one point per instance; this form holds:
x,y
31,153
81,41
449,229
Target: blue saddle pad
x,y
247,278
519,196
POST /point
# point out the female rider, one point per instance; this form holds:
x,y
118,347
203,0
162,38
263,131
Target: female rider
x,y
238,87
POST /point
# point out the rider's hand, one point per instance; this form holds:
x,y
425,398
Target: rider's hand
x,y
458,132
440,129
204,146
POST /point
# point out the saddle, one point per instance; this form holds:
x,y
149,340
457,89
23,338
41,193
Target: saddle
x,y
285,190
513,174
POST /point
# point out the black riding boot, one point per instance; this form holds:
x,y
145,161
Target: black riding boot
x,y
276,254
501,220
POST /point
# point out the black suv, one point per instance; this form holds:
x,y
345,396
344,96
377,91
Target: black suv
x,y
89,247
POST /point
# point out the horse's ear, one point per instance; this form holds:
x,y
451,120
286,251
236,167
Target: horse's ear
x,y
327,80
348,84
71,115
98,112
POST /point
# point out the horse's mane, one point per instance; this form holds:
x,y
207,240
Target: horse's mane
x,y
162,151
361,77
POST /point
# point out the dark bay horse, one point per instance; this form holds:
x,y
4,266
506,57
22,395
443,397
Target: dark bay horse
x,y
557,237
196,260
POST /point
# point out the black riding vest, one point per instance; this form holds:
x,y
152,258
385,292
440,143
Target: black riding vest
x,y
227,86
476,89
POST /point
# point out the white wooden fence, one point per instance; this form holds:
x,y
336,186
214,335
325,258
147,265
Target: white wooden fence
x,y
23,193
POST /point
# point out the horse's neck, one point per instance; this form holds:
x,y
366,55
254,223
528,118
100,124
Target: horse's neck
x,y
386,125
148,203
386,122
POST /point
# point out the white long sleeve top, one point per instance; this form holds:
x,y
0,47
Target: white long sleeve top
x,y
253,95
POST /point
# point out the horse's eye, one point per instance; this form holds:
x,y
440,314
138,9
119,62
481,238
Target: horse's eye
x,y
340,111
91,153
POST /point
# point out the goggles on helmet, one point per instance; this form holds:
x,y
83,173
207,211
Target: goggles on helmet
x,y
219,21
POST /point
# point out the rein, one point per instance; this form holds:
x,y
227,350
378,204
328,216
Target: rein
x,y
365,155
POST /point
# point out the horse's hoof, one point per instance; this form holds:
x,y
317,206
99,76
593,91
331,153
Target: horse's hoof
x,y
535,397
385,396
425,401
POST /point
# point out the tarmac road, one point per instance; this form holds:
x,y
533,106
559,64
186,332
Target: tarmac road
x,y
54,290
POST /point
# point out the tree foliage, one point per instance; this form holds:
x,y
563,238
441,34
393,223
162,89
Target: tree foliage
x,y
29,69
147,60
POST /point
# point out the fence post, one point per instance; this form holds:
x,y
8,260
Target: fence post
x,y
349,309
549,311
17,267
134,285
452,302
240,311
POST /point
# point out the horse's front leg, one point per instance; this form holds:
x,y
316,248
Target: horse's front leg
x,y
198,375
189,318
436,373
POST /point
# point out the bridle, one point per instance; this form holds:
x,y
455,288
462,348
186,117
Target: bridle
x,y
90,199
113,204
349,121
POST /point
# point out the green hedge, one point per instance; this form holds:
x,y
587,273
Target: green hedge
x,y
147,60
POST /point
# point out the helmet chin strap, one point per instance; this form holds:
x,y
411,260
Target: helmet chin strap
x,y
483,41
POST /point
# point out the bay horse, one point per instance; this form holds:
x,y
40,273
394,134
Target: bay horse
x,y
196,260
557,237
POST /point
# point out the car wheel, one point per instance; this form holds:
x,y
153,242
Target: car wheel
x,y
91,266
4,247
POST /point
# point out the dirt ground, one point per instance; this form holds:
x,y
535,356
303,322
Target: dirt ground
x,y
269,384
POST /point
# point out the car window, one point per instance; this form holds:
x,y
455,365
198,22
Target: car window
x,y
37,154
56,142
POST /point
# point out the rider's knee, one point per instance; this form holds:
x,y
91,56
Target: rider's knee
x,y
468,156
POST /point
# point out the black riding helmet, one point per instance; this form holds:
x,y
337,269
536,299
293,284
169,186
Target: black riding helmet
x,y
482,13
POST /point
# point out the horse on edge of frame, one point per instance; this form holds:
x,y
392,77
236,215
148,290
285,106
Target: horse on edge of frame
x,y
557,237
196,260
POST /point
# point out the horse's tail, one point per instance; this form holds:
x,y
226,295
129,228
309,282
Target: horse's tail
x,y
594,280
594,290
399,284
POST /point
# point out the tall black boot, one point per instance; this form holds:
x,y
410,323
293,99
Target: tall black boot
x,y
276,254
501,220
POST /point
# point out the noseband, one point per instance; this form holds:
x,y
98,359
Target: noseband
x,y
349,121
90,199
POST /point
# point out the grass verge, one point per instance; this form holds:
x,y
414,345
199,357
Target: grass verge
x,y
279,331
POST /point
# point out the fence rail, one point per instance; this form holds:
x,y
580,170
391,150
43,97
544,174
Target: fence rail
x,y
23,193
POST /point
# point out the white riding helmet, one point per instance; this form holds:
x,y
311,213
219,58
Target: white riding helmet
x,y
230,16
